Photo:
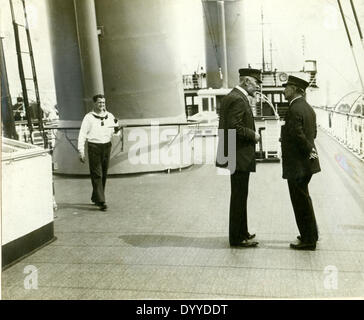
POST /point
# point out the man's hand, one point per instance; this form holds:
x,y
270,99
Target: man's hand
x,y
313,154
82,157
117,129
257,137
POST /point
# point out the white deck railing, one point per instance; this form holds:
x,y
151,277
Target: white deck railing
x,y
346,128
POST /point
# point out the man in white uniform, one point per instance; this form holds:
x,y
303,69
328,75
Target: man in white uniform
x,y
97,128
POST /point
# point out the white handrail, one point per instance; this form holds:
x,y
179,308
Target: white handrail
x,y
346,128
265,99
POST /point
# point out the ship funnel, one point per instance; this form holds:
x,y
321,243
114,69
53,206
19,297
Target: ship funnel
x,y
224,41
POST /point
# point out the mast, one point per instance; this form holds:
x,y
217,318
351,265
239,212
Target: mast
x,y
271,54
7,118
263,61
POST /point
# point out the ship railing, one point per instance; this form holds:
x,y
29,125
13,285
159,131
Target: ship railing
x,y
183,134
194,81
346,128
35,137
270,80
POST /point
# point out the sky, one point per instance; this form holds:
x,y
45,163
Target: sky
x,y
287,22
325,40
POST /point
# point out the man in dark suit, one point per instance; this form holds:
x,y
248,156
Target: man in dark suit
x,y
300,160
236,152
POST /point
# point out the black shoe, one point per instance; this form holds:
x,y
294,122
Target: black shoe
x,y
102,206
250,236
303,246
245,244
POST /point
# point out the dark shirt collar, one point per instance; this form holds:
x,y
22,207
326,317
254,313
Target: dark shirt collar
x,y
99,117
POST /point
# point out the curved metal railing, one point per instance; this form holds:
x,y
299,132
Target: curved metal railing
x,y
346,128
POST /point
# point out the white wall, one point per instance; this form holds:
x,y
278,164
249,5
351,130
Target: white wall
x,y
27,196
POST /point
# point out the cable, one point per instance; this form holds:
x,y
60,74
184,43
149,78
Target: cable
x,y
335,6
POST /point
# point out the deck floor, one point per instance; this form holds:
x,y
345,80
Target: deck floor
x,y
165,236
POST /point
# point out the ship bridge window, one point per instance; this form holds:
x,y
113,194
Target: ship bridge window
x,y
344,107
277,98
205,104
359,109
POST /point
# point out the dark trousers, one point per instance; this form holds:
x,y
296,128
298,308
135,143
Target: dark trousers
x,y
303,209
98,156
238,221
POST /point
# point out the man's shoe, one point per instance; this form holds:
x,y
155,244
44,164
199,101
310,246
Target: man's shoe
x,y
250,236
102,206
303,246
245,244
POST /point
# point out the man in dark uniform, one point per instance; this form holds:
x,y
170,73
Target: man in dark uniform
x,y
236,118
18,109
300,160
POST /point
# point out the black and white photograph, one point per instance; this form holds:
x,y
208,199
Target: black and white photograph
x,y
182,150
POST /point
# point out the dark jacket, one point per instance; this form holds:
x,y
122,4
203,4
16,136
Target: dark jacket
x,y
235,113
297,138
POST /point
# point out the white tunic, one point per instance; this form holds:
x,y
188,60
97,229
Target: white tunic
x,y
93,131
